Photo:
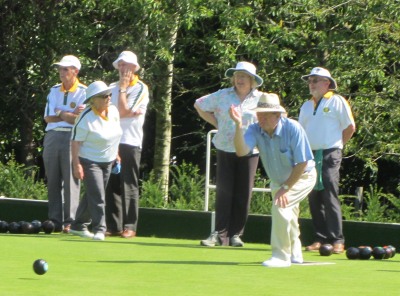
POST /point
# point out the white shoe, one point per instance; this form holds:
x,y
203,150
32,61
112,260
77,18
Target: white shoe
x,y
296,260
212,241
82,233
275,262
99,236
235,241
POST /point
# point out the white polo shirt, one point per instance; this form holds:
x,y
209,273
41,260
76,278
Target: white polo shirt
x,y
137,98
325,123
99,137
60,98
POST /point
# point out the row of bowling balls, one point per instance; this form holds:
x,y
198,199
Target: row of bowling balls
x,y
25,227
366,252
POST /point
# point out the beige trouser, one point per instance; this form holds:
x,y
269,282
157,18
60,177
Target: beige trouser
x,y
285,232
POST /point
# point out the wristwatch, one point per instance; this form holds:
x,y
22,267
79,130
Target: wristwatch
x,y
122,90
58,112
284,186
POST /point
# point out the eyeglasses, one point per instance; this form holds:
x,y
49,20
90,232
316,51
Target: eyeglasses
x,y
315,80
104,96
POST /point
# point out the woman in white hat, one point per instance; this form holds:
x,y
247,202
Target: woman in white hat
x,y
94,144
235,175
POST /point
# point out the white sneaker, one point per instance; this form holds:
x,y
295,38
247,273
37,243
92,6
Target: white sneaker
x,y
275,262
296,260
82,233
235,241
99,236
212,240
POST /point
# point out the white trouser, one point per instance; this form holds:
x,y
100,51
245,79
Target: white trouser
x,y
285,232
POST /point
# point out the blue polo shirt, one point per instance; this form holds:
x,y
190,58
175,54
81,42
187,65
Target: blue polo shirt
x,y
287,147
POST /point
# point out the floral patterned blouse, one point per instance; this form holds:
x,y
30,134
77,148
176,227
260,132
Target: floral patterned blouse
x,y
219,103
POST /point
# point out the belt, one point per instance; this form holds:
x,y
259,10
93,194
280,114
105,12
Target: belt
x,y
62,129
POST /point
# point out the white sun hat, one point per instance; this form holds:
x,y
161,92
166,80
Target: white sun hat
x,y
246,67
322,72
128,57
97,88
269,102
69,61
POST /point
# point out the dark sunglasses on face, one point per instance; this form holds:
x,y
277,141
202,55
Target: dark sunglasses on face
x,y
315,80
104,96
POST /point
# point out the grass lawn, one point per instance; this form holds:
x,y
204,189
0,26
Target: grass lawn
x,y
154,266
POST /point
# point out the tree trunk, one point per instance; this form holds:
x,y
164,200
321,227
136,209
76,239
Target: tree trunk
x,y
162,106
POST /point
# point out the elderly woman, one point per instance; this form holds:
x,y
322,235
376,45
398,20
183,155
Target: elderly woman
x,y
94,143
235,175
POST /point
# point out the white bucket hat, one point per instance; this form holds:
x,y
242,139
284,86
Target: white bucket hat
x,y
69,61
246,67
269,102
322,72
95,89
128,57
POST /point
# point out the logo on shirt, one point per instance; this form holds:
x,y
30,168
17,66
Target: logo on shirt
x,y
72,105
326,110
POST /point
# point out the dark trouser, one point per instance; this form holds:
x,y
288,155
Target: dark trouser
x,y
63,189
123,202
91,209
235,180
325,206
114,204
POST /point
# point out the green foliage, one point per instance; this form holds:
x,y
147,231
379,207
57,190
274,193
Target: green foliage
x,y
151,193
187,187
19,181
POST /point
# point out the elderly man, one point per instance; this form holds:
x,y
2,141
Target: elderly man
x,y
131,96
64,103
329,124
288,160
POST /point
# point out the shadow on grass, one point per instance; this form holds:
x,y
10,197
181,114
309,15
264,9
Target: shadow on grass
x,y
149,244
182,262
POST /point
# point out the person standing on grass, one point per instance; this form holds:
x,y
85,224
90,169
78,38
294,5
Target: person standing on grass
x,y
288,160
64,103
235,175
131,96
94,144
329,124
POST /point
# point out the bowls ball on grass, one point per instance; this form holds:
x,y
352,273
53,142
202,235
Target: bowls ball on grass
x,y
27,228
48,226
14,227
378,253
3,227
326,250
40,266
37,226
388,252
353,253
393,250
365,252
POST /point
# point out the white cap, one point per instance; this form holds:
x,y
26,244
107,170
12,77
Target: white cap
x,y
69,61
128,57
96,88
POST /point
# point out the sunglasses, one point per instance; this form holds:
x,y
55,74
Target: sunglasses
x,y
315,80
104,96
